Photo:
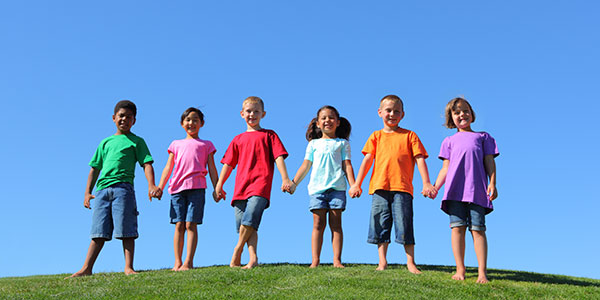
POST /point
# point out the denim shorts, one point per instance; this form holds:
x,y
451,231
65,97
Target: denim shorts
x,y
466,214
388,207
249,212
329,199
187,206
114,208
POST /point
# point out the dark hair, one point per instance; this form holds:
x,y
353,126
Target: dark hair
x,y
342,131
392,98
126,104
451,106
190,110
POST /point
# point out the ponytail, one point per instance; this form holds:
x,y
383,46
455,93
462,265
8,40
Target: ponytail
x,y
343,131
313,132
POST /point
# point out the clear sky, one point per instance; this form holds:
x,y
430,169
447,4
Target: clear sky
x,y
529,68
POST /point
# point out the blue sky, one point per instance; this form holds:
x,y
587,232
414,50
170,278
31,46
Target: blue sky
x,y
530,70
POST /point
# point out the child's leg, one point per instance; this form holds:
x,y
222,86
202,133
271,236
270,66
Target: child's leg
x,y
337,236
128,250
458,249
319,222
178,239
481,248
192,242
252,250
245,234
92,254
410,259
402,209
382,251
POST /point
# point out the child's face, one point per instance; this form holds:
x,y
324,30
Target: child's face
x,y
124,119
192,124
328,122
391,112
462,116
252,113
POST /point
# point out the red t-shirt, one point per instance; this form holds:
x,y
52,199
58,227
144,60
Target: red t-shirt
x,y
255,153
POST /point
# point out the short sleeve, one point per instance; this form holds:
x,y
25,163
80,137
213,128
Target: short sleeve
x,y
142,152
97,159
370,145
445,149
277,147
417,146
171,148
210,147
309,151
489,145
345,150
231,154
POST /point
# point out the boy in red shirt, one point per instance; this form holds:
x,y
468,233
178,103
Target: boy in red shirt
x,y
255,151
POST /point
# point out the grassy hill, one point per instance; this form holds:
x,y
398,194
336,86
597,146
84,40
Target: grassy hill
x,y
288,281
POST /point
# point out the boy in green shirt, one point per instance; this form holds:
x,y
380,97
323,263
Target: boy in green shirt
x,y
115,207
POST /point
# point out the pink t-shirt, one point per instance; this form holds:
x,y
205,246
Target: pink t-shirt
x,y
255,153
190,157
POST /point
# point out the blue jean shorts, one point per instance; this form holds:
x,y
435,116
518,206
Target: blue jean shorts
x,y
466,214
188,206
329,199
115,209
388,207
249,212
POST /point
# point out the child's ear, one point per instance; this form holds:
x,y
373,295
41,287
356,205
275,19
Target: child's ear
x,y
263,115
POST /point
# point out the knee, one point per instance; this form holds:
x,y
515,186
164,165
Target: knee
x,y
319,225
179,226
190,226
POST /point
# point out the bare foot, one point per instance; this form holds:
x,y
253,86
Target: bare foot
x,y
482,279
250,265
185,267
176,266
460,275
315,263
413,269
129,271
338,264
236,261
381,266
80,273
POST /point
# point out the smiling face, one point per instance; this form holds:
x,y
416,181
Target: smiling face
x,y
328,122
391,112
462,116
252,113
192,124
124,119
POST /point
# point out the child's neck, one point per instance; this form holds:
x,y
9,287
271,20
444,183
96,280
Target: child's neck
x,y
468,129
328,136
253,128
119,132
191,137
389,129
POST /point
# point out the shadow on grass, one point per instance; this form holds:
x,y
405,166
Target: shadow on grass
x,y
494,274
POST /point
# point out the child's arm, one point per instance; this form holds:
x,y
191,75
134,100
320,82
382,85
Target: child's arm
x,y
347,167
490,168
428,189
355,190
89,187
153,190
286,183
300,174
214,175
441,179
225,172
166,173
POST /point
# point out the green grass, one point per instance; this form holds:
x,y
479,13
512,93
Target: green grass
x,y
289,281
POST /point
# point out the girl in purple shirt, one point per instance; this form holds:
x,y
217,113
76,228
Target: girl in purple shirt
x,y
468,163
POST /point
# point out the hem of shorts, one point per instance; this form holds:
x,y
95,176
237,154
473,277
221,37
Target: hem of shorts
x,y
477,228
101,236
458,224
327,208
251,225
127,236
405,242
371,241
173,221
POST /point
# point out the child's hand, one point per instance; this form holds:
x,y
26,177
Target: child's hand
x,y
215,197
355,191
154,191
429,191
220,193
492,191
86,200
292,188
286,185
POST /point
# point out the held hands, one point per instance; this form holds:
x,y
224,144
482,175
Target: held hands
x,y
86,200
154,192
286,186
492,192
219,193
355,191
429,191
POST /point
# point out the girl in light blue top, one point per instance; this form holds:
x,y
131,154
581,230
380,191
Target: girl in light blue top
x,y
328,152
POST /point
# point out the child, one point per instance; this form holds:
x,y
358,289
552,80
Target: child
x,y
329,149
394,151
188,160
468,162
255,151
115,206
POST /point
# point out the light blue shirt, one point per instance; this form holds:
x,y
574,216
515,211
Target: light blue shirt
x,y
327,156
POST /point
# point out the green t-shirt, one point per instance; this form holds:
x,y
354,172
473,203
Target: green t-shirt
x,y
116,157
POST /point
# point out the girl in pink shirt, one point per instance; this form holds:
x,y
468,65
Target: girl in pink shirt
x,y
189,161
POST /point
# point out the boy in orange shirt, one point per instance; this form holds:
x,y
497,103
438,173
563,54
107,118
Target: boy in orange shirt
x,y
394,152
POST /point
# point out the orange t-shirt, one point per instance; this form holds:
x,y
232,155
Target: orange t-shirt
x,y
393,159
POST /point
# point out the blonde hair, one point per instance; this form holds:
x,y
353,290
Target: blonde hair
x,y
254,99
451,106
393,98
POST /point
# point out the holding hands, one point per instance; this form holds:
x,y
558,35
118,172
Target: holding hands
x,y
429,191
355,191
154,192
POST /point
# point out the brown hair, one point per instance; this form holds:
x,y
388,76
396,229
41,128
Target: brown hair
x,y
451,106
342,131
190,110
394,99
254,99
126,104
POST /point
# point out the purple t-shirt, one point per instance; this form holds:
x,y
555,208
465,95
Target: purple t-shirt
x,y
466,179
190,157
